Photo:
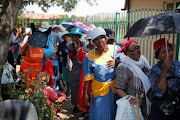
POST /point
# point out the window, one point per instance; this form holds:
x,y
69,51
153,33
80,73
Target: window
x,y
170,7
177,4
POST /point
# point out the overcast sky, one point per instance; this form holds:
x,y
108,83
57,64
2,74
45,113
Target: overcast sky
x,y
83,9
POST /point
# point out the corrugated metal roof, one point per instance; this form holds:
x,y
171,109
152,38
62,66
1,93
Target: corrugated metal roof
x,y
42,16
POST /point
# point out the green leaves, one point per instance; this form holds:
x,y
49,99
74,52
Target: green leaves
x,y
3,66
36,96
30,70
67,5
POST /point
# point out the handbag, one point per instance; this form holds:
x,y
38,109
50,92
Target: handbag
x,y
168,103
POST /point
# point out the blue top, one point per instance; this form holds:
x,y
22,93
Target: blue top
x,y
172,83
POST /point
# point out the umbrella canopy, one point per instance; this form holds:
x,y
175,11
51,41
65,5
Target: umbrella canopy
x,y
163,23
84,26
67,24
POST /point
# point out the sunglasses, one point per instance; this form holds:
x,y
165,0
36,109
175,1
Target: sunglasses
x,y
133,49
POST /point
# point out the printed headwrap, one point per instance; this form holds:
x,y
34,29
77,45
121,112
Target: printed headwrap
x,y
125,44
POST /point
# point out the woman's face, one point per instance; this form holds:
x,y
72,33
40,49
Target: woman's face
x,y
163,54
66,38
56,30
75,38
133,51
100,41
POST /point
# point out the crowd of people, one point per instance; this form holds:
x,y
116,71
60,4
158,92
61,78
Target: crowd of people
x,y
99,73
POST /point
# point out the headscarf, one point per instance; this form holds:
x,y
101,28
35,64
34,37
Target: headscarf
x,y
125,44
159,43
42,76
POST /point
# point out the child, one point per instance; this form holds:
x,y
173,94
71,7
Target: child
x,y
52,96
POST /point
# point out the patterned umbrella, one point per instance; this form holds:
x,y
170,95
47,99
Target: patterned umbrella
x,y
84,26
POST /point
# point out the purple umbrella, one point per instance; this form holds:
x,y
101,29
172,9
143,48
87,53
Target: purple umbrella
x,y
84,26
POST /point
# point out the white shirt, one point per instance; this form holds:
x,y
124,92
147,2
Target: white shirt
x,y
56,37
13,38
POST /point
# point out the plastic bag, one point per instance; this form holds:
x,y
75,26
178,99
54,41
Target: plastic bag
x,y
126,111
8,75
69,63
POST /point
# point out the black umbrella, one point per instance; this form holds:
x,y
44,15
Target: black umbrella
x,y
163,23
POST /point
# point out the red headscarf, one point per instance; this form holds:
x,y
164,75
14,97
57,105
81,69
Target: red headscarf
x,y
159,43
125,44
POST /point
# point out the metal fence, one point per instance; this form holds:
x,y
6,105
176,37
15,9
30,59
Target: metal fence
x,y
26,22
120,22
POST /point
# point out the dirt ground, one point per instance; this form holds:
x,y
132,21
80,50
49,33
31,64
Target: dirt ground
x,y
67,111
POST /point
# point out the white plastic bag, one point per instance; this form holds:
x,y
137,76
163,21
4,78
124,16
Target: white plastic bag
x,y
69,63
126,111
7,76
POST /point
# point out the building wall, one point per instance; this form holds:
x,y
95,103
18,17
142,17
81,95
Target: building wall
x,y
134,4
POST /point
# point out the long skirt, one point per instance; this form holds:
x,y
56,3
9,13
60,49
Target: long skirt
x,y
74,81
80,103
65,73
103,107
30,70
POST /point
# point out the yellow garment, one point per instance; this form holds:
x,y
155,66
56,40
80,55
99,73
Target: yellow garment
x,y
102,88
100,60
89,77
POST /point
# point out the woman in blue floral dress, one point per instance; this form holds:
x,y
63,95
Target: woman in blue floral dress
x,y
158,77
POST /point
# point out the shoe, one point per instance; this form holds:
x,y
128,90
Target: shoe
x,y
61,87
75,110
68,94
83,116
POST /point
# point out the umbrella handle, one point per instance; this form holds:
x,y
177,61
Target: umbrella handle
x,y
166,47
137,97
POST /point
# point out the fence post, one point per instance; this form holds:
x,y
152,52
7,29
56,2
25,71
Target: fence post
x,y
87,19
117,27
178,48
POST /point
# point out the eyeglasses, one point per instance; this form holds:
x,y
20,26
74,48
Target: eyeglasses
x,y
133,49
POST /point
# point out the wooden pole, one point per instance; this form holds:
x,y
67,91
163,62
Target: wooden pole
x,y
137,97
